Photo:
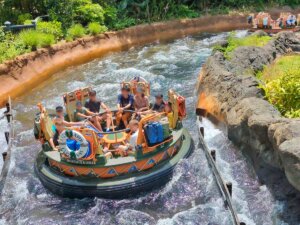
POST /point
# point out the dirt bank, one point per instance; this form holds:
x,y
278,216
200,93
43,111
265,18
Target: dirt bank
x,y
229,90
28,70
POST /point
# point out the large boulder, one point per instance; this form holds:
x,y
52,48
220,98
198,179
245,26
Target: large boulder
x,y
253,123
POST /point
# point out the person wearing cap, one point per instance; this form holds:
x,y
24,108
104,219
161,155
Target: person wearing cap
x,y
82,114
159,105
94,105
125,102
60,116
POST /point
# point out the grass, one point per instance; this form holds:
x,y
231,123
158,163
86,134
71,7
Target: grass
x,y
280,67
33,39
282,85
234,43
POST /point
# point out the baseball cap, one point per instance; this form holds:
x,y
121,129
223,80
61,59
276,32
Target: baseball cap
x,y
59,109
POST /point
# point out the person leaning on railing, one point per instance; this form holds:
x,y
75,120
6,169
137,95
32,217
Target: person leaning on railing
x,y
94,105
81,114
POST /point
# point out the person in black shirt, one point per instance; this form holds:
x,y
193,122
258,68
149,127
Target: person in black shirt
x,y
158,106
125,102
94,105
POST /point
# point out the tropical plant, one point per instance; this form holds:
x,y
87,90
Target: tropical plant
x,y
89,13
33,39
95,28
75,31
24,17
284,93
53,27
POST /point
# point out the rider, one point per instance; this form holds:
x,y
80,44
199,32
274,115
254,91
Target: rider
x,y
158,106
170,114
130,146
60,115
59,128
82,114
94,105
125,102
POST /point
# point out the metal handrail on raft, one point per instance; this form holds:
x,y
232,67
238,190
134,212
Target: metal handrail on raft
x,y
225,188
114,131
9,136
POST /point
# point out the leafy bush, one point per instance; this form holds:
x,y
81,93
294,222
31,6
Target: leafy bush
x,y
110,16
27,22
89,13
75,31
282,86
33,39
123,23
9,47
24,17
181,11
53,27
234,42
284,93
95,28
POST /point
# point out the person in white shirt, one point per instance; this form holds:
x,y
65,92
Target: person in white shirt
x,y
130,147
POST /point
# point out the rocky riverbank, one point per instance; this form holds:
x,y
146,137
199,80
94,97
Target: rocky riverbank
x,y
229,90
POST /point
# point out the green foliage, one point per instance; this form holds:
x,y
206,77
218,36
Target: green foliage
x,y
24,17
89,13
62,11
234,42
27,22
95,28
33,39
181,11
9,47
75,31
125,22
283,87
53,27
110,16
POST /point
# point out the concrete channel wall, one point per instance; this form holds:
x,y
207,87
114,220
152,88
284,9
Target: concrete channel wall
x,y
26,71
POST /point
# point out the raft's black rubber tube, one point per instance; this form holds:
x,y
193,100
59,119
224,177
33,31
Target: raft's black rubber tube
x,y
116,191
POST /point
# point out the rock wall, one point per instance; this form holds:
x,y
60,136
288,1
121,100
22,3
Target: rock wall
x,y
229,89
29,70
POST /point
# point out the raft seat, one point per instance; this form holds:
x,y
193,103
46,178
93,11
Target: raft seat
x,y
71,98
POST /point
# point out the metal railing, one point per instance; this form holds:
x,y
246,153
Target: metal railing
x,y
8,26
9,136
224,187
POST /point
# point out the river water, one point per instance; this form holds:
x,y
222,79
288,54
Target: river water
x,y
191,197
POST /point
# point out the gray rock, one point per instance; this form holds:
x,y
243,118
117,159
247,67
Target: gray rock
x,y
260,33
253,123
290,156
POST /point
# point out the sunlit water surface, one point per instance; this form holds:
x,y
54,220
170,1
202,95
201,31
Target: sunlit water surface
x,y
191,197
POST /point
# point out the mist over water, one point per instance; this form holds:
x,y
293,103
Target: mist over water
x,y
191,197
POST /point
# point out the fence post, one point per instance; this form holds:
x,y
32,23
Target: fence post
x,y
213,154
6,133
4,154
202,131
229,187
